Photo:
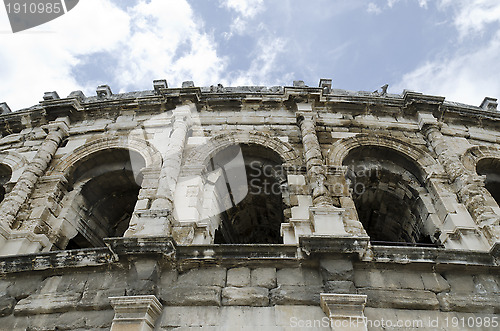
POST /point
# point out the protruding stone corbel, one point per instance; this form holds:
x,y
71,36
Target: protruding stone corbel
x,y
104,91
4,108
48,96
489,104
345,311
159,84
135,313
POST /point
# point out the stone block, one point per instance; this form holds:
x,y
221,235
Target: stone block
x,y
369,278
263,277
400,298
238,277
203,277
199,316
47,303
21,287
98,299
245,296
339,286
460,283
298,276
288,317
487,284
191,295
296,180
407,279
246,318
472,303
336,269
435,282
7,304
295,295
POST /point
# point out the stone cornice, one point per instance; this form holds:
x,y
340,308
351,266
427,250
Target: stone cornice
x,y
120,250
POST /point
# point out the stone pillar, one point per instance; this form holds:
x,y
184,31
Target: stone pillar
x,y
11,205
345,311
17,242
135,313
316,171
157,219
327,219
172,158
468,186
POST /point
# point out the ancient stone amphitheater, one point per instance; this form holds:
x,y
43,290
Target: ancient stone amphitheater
x,y
235,208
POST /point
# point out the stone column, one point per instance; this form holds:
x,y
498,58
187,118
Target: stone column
x,y
468,186
345,311
172,158
327,219
135,313
316,171
11,205
19,242
158,218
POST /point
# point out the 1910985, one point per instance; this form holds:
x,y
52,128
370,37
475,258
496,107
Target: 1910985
x,y
34,7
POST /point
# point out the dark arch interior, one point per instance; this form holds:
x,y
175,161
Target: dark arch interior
x,y
385,187
5,175
106,193
255,212
491,169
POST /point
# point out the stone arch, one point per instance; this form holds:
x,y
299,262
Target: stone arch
x,y
476,153
14,160
71,231
11,164
425,163
485,161
387,178
151,156
197,158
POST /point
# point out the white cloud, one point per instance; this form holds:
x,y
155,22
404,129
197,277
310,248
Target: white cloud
x,y
468,74
472,16
167,42
41,59
264,63
245,8
422,3
391,3
154,39
246,11
373,8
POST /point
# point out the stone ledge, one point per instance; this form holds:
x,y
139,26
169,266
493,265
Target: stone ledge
x,y
56,260
473,303
400,298
334,244
403,254
164,246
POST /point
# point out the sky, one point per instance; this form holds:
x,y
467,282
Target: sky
x,y
449,48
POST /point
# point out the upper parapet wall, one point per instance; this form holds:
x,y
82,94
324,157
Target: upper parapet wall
x,y
52,105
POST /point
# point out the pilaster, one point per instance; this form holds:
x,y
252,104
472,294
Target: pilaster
x,y
135,313
463,227
345,311
21,192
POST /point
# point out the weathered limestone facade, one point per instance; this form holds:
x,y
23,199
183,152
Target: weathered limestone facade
x,y
276,208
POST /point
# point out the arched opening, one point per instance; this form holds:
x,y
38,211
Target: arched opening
x,y
102,196
5,175
250,194
386,188
490,167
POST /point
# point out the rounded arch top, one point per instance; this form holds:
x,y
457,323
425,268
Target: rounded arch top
x,y
151,156
13,160
197,157
424,161
477,153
